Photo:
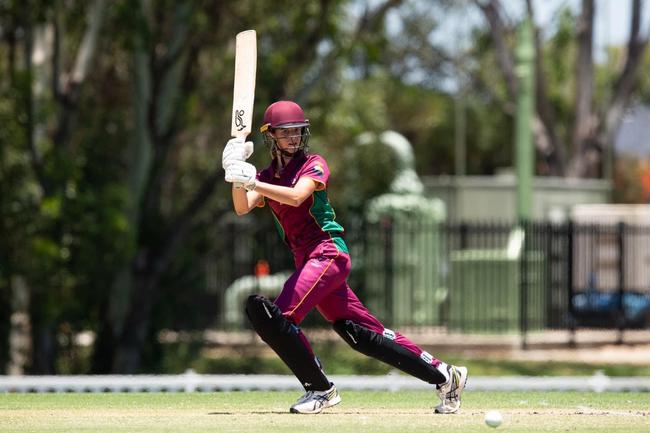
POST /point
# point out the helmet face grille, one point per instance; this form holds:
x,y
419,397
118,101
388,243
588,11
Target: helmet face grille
x,y
272,143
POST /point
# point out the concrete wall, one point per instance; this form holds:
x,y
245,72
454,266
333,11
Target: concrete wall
x,y
492,198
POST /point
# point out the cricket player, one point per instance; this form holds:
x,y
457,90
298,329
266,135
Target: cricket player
x,y
294,186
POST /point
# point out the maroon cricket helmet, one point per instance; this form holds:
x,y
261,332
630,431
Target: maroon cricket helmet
x,y
283,114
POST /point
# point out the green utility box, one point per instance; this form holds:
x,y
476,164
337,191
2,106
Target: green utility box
x,y
485,291
402,271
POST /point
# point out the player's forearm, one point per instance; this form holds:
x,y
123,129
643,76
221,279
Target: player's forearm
x,y
242,202
282,194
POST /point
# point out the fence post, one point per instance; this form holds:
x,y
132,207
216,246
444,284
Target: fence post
x,y
449,233
388,261
231,234
571,319
523,286
621,282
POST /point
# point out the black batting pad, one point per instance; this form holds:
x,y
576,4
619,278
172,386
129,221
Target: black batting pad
x,y
288,341
385,349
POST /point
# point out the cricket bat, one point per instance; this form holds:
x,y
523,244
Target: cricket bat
x,y
243,94
244,86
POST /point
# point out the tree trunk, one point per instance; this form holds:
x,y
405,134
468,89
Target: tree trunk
x,y
547,142
69,95
45,350
158,101
113,329
589,161
591,135
111,322
20,333
545,139
42,63
584,123
128,353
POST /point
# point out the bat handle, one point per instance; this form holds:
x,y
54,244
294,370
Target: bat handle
x,y
249,152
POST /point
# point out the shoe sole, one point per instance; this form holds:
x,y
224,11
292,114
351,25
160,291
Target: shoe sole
x,y
336,400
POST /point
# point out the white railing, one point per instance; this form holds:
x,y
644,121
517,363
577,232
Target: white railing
x,y
192,382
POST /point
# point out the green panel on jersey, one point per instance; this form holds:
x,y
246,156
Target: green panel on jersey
x,y
324,215
279,227
340,244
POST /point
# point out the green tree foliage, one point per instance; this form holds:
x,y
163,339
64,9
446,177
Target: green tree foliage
x,y
114,115
119,163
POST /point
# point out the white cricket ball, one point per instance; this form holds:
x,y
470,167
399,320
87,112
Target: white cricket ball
x,y
493,418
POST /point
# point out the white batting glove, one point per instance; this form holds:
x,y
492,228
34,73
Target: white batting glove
x,y
241,173
236,150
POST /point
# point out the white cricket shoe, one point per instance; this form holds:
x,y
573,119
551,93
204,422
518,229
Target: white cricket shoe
x,y
450,391
316,401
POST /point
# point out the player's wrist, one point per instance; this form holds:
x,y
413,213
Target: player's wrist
x,y
250,186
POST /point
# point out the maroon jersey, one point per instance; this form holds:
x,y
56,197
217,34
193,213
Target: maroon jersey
x,y
312,221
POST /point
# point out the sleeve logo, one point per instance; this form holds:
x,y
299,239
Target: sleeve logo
x,y
317,170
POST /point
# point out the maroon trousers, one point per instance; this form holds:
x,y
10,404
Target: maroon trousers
x,y
320,281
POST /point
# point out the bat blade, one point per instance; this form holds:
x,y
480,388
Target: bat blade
x,y
244,87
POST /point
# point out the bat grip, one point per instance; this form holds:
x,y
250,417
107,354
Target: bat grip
x,y
250,151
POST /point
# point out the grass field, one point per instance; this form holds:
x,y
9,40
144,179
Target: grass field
x,y
258,412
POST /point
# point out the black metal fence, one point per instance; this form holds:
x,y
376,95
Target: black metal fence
x,y
466,277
